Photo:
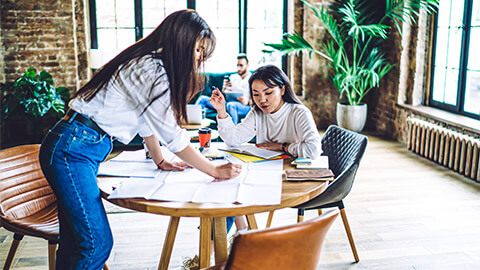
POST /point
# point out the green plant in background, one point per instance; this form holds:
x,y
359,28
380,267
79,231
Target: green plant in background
x,y
34,94
355,49
30,106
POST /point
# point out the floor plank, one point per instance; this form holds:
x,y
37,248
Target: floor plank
x,y
405,212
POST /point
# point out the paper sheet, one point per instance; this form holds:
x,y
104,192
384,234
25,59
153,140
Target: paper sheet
x,y
258,183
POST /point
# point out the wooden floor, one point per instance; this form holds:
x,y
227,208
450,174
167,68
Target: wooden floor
x,y
405,213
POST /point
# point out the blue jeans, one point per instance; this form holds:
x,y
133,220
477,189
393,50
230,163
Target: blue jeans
x,y
70,156
237,110
205,102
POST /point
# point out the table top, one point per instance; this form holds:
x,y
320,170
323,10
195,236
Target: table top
x,y
205,123
293,193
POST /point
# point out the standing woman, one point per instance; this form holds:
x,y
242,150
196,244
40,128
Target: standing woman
x,y
142,90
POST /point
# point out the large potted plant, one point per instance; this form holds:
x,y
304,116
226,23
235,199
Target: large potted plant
x,y
357,29
30,105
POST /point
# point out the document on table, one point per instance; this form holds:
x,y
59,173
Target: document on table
x,y
258,184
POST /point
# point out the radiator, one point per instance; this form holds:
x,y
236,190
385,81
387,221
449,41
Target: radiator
x,y
454,150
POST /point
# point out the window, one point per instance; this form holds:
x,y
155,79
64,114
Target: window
x,y
116,24
456,69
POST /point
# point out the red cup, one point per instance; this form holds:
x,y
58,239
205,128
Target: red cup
x,y
205,136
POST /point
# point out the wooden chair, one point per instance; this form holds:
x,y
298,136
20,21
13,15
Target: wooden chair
x,y
295,246
27,203
344,149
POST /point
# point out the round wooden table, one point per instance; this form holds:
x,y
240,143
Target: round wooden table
x,y
293,193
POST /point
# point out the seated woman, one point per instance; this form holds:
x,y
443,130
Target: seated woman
x,y
278,118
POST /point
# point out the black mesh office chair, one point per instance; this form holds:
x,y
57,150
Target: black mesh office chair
x,y
344,149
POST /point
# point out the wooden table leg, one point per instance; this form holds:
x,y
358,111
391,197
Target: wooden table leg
x,y
205,239
252,222
168,244
220,239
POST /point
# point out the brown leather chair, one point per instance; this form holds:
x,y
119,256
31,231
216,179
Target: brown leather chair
x,y
291,247
27,204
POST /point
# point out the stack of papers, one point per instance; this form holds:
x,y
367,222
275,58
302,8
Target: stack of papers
x,y
308,164
258,184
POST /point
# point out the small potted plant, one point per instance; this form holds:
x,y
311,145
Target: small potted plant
x,y
30,105
357,29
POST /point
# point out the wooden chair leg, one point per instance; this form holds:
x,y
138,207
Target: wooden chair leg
x,y
52,250
13,248
349,234
252,222
269,220
301,213
320,211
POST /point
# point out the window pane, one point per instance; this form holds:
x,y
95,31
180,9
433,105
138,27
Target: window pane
x,y
444,13
454,47
456,15
265,24
441,47
474,52
472,93
439,84
105,11
222,17
125,13
125,38
107,39
476,13
451,87
154,11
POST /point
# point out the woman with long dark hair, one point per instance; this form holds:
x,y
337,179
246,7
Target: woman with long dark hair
x,y
278,119
142,90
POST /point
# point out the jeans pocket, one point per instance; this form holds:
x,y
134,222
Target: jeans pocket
x,y
49,145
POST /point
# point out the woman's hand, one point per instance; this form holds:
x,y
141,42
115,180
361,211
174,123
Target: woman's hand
x,y
218,102
270,146
227,171
173,166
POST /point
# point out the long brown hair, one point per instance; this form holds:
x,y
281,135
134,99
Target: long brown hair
x,y
173,41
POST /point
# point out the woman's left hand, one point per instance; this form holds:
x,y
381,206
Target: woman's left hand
x,y
270,146
173,166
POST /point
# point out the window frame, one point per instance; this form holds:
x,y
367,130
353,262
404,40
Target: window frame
x,y
190,4
461,84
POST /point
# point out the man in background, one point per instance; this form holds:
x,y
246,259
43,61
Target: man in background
x,y
237,82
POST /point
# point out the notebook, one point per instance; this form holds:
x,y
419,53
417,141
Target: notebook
x,y
312,175
252,150
194,114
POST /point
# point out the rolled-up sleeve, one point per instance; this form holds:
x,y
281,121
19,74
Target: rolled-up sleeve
x,y
309,146
235,135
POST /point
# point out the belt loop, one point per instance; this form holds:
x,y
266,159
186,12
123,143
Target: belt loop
x,y
72,117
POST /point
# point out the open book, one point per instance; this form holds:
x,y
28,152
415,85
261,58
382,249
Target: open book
x,y
252,150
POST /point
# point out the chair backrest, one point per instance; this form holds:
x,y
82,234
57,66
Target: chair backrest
x,y
23,188
344,149
296,246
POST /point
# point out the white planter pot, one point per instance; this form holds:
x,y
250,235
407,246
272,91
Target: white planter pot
x,y
352,117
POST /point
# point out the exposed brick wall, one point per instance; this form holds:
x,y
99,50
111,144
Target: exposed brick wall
x,y
42,34
319,93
